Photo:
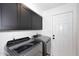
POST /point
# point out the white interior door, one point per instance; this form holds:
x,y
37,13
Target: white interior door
x,y
62,31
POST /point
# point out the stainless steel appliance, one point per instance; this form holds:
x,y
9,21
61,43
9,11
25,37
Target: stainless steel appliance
x,y
24,47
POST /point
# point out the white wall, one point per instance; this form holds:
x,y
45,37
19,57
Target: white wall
x,y
47,25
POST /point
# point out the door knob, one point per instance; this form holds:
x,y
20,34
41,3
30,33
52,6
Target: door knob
x,y
53,36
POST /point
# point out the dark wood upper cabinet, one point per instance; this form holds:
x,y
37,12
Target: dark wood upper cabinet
x,y
36,21
25,20
16,16
9,16
0,17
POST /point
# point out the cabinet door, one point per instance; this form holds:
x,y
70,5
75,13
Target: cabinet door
x,y
9,16
0,17
36,21
25,21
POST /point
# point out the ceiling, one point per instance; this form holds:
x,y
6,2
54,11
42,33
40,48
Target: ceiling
x,y
47,6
